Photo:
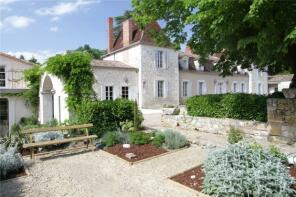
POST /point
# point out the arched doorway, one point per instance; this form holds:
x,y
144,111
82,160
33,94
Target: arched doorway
x,y
47,100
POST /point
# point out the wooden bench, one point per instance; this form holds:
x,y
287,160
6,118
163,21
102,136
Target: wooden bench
x,y
32,144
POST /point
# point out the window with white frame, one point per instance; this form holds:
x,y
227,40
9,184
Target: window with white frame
x,y
243,88
159,59
234,87
109,92
185,88
2,76
201,87
124,92
160,88
219,87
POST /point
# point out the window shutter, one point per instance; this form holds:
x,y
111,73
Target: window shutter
x,y
155,88
166,88
204,90
166,59
189,88
155,59
102,93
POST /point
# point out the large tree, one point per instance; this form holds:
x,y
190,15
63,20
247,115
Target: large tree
x,y
95,53
246,32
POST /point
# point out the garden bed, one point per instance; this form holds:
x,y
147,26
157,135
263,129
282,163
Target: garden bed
x,y
15,174
140,151
292,171
186,178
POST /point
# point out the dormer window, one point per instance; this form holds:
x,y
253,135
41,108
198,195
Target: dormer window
x,y
199,66
2,76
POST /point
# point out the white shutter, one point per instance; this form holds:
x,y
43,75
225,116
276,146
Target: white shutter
x,y
102,93
166,89
204,89
189,88
155,59
155,88
166,59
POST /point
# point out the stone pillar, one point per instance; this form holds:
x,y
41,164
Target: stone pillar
x,y
282,119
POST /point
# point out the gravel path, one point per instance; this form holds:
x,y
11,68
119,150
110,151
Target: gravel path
x,y
99,174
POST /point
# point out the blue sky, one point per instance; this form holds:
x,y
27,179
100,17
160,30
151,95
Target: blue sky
x,y
45,27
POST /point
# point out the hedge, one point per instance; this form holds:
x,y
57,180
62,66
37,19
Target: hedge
x,y
107,115
236,106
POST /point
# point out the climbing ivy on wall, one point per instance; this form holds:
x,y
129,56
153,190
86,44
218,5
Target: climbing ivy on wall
x,y
75,71
32,77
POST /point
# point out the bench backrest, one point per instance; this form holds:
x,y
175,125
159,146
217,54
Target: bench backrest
x,y
58,128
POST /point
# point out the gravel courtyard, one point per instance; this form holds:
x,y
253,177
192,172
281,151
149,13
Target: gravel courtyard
x,y
99,174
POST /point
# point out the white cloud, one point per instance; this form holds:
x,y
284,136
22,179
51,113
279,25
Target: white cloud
x,y
65,7
54,29
41,56
16,22
56,18
6,2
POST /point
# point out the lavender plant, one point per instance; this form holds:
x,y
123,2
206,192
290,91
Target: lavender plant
x,y
10,160
174,140
241,170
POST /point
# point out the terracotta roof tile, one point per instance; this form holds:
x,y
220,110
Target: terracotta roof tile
x,y
14,58
110,64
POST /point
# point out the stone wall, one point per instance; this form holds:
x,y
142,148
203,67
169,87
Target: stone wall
x,y
282,119
216,125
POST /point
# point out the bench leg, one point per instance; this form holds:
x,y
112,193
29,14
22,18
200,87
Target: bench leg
x,y
32,154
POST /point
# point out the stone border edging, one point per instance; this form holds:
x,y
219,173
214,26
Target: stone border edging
x,y
146,159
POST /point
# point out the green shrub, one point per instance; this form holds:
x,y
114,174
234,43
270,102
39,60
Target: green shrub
x,y
10,161
127,126
174,140
110,139
158,139
238,106
123,138
14,138
234,136
241,170
140,138
275,151
107,115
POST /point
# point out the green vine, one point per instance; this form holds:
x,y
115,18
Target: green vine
x,y
75,71
31,95
11,94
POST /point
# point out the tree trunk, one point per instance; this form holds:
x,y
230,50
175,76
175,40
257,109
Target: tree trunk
x,y
293,82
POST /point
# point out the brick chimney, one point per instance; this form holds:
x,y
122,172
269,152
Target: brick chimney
x,y
110,34
127,32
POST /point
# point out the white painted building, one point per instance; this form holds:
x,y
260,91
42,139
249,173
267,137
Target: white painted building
x,y
277,83
137,69
12,83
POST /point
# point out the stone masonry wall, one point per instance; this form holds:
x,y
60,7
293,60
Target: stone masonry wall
x,y
282,119
216,125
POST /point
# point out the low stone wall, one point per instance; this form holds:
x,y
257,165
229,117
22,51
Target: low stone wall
x,y
216,125
282,119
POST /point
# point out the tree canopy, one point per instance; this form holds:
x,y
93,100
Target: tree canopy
x,y
246,33
95,53
118,22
